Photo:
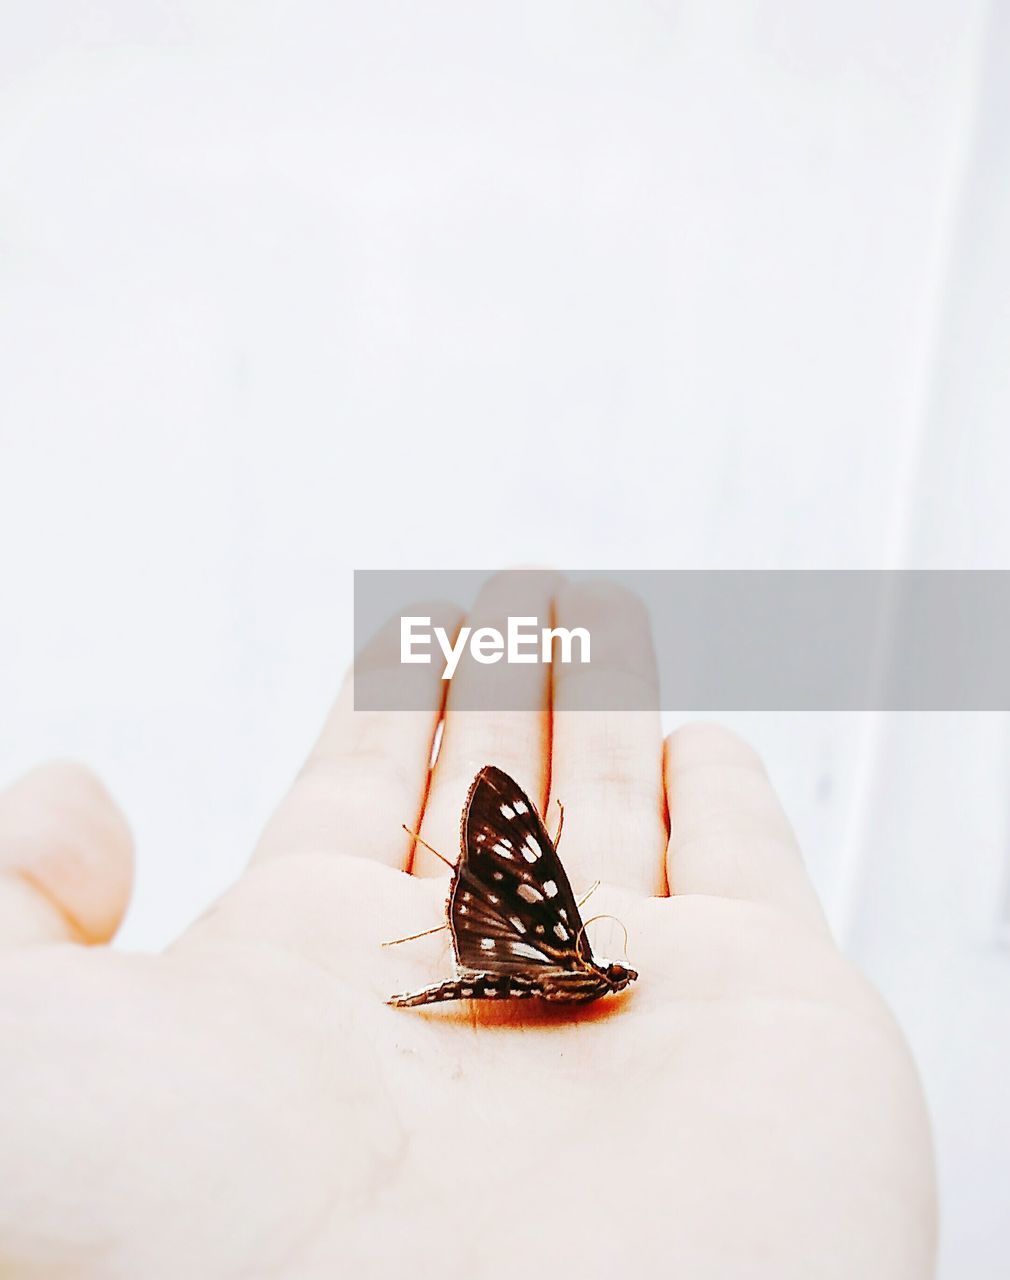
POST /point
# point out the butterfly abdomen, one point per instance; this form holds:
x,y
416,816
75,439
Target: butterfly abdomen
x,y
569,987
475,986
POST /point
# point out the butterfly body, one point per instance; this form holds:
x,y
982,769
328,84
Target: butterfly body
x,y
515,924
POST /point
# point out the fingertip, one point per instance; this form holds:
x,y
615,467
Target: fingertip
x,y
607,598
63,834
381,650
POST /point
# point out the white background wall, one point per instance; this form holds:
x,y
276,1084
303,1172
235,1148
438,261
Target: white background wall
x,y
292,288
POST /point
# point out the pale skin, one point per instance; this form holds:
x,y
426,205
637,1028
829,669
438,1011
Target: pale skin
x,y
246,1104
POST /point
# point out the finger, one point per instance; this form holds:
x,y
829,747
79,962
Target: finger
x,y
368,772
478,731
728,834
66,858
607,761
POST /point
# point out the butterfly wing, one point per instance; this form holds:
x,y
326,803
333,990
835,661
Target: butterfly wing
x,y
511,908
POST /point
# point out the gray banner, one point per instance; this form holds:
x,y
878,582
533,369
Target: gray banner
x,y
908,640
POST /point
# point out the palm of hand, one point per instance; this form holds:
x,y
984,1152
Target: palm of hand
x,y
749,1099
246,1104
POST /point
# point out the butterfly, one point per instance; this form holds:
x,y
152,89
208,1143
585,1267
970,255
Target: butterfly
x,y
515,924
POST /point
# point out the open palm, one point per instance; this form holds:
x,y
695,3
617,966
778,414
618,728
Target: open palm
x,y
247,1105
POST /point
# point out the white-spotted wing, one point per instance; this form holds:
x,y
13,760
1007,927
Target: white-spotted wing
x,y
511,907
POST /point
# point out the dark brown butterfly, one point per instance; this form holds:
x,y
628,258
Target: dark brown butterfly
x,y
515,924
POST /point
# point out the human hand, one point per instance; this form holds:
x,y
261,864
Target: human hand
x,y
246,1104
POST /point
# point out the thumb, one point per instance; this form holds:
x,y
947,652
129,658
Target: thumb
x,y
66,858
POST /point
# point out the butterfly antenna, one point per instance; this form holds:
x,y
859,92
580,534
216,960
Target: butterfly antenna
x,y
412,937
441,858
589,892
606,916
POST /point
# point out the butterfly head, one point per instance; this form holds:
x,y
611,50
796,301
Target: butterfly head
x,y
618,976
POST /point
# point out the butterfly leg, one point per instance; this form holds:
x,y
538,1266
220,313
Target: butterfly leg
x,y
441,857
412,937
561,823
